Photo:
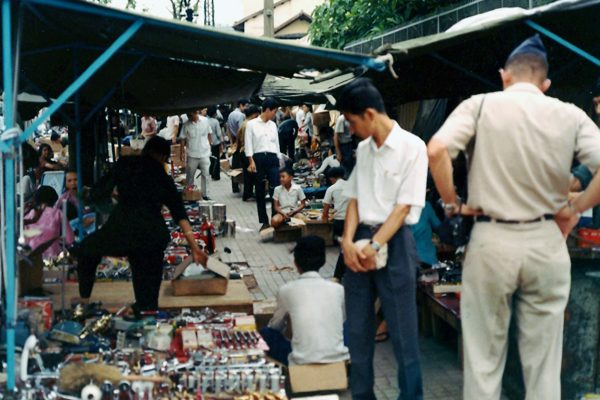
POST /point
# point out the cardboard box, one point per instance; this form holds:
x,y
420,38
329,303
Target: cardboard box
x,y
237,175
225,166
128,151
318,377
212,281
191,195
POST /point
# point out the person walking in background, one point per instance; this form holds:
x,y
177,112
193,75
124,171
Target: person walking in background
x,y
342,139
216,147
287,131
251,112
336,198
262,149
196,136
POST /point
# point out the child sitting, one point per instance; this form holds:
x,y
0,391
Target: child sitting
x,y
289,199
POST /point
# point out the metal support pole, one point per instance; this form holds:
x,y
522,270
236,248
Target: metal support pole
x,y
580,52
9,192
269,16
78,146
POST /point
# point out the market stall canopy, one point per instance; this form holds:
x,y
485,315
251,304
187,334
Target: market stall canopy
x,y
465,60
321,89
164,66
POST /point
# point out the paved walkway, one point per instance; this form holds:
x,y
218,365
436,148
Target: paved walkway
x,y
271,265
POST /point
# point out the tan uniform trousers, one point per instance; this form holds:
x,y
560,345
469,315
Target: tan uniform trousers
x,y
526,266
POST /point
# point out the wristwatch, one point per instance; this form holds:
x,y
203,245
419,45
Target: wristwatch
x,y
376,246
452,208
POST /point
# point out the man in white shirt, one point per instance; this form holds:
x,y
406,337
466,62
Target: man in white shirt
x,y
336,197
329,162
262,149
170,131
315,308
235,118
196,136
289,199
216,145
391,173
300,115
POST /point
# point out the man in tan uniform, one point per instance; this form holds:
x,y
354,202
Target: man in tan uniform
x,y
518,187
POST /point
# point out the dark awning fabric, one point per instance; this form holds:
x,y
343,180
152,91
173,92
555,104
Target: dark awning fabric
x,y
183,65
466,61
291,91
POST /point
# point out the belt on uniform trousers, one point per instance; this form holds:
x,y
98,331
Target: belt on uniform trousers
x,y
265,153
485,218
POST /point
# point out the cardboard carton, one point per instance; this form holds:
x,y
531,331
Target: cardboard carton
x,y
213,281
191,195
318,377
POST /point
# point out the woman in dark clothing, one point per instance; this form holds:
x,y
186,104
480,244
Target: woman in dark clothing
x,y
136,228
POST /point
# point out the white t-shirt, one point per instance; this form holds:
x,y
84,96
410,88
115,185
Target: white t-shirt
x,y
395,173
300,117
336,196
288,200
316,309
331,162
196,135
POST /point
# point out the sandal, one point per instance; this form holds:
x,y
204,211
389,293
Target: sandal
x,y
382,337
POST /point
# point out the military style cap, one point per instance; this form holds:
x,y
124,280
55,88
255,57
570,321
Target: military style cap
x,y
532,45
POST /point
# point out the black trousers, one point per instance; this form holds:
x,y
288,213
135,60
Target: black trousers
x,y
215,162
146,266
249,179
286,145
348,161
267,169
338,231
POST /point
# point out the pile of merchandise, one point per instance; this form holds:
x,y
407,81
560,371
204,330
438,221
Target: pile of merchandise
x,y
93,354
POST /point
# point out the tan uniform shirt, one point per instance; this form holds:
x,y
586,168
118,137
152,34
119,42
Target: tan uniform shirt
x,y
523,152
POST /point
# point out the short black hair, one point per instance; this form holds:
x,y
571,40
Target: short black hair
x,y
212,110
336,172
54,136
269,104
157,146
309,253
288,171
251,109
243,101
359,95
45,195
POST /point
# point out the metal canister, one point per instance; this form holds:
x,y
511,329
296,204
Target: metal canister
x,y
219,218
205,208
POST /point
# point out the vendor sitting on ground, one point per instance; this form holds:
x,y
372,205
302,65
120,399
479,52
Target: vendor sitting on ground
x,y
286,198
330,161
315,307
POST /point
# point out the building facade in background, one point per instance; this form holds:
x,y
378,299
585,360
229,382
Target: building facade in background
x,y
292,18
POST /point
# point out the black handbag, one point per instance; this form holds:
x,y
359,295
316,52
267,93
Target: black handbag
x,y
456,230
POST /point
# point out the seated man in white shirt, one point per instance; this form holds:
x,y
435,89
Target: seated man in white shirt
x,y
289,199
330,161
336,198
315,308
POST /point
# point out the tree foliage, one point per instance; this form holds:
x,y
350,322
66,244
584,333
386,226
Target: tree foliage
x,y
338,22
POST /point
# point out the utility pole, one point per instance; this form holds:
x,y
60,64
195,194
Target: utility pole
x,y
209,12
269,15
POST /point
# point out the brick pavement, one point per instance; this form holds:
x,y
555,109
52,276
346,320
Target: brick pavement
x,y
271,265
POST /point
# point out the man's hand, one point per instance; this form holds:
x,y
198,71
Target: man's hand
x,y
199,256
466,210
339,156
370,262
566,219
252,167
353,257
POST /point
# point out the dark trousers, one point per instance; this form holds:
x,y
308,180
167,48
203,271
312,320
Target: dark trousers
x,y
286,145
395,285
279,346
347,151
146,267
338,231
215,162
267,169
249,179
